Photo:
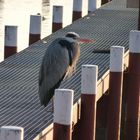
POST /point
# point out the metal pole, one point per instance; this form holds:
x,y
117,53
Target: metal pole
x,y
115,93
63,103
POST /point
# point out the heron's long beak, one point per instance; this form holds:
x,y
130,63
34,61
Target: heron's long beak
x,y
84,40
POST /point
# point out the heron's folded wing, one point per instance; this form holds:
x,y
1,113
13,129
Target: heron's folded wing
x,y
54,65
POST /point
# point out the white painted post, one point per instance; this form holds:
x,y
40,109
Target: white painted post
x,y
89,79
10,40
77,9
115,92
88,102
134,41
57,18
133,88
63,103
11,133
93,5
35,28
116,58
77,5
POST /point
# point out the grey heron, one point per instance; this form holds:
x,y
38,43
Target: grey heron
x,y
58,63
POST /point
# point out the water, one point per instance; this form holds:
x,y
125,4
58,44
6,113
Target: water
x,y
15,12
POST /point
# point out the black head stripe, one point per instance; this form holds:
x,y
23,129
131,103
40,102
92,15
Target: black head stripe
x,y
72,35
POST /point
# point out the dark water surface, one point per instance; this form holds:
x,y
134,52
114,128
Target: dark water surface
x,y
15,12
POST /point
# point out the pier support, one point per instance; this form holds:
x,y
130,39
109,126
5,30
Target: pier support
x,y
133,89
57,18
77,9
10,41
139,17
93,5
115,93
11,133
35,29
87,122
63,103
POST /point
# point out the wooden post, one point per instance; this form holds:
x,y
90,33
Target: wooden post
x,y
63,103
77,9
105,1
10,41
11,133
115,93
139,17
57,18
88,102
35,29
93,5
133,92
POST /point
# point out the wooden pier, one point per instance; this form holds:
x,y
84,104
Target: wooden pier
x,y
109,26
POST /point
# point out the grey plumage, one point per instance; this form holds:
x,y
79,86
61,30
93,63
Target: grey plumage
x,y
58,63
